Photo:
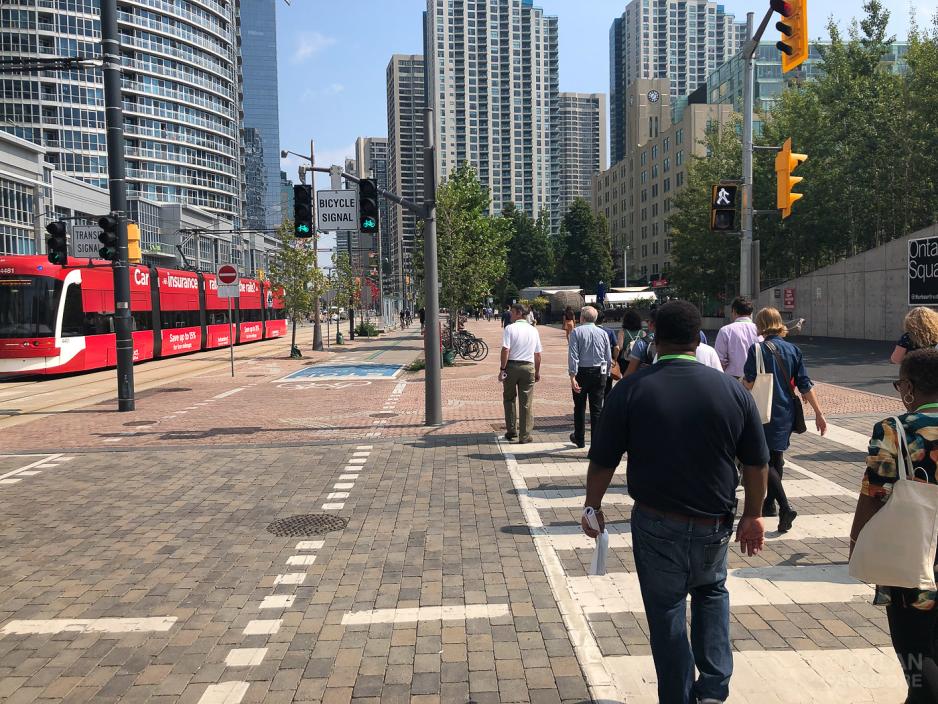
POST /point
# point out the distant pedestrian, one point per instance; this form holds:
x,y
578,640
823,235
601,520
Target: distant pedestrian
x,y
529,316
520,370
734,340
569,321
506,317
786,364
920,331
630,333
422,315
478,312
403,317
682,426
589,358
612,372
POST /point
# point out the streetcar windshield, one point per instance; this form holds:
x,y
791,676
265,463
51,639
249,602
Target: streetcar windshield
x,y
28,305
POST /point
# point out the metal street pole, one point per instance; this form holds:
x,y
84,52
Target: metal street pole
x,y
745,244
117,186
317,308
625,266
433,397
335,176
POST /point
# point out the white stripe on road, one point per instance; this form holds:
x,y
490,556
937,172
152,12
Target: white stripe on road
x,y
232,392
348,476
357,460
816,676
748,586
310,544
338,495
364,447
224,693
37,463
87,625
340,485
540,448
831,525
245,657
843,436
361,453
427,613
290,578
301,560
333,507
277,601
260,627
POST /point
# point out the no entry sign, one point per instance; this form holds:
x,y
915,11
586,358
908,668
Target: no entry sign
x,y
227,274
228,281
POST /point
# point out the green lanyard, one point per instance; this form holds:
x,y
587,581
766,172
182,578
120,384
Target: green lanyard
x,y
689,358
927,405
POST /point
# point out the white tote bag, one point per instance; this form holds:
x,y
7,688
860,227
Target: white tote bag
x,y
896,548
763,388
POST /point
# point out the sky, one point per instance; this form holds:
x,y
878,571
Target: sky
x,y
333,55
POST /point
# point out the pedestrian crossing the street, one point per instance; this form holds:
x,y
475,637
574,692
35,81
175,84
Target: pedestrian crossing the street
x,y
802,629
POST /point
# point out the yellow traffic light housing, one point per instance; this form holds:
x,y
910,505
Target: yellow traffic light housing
x,y
794,29
785,163
134,255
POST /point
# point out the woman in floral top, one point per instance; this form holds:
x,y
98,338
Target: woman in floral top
x,y
913,617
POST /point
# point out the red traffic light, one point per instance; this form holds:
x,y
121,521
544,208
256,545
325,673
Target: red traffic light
x,y
785,9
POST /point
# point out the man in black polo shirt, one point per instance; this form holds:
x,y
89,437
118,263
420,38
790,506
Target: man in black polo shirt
x,y
683,425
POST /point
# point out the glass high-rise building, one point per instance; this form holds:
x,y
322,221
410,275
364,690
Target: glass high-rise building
x,y
181,84
494,80
579,149
681,40
261,109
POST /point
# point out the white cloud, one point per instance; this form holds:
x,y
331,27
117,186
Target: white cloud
x,y
310,43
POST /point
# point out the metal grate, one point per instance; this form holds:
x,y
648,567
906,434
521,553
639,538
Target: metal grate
x,y
307,524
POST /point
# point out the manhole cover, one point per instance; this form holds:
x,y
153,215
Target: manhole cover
x,y
383,415
139,423
307,524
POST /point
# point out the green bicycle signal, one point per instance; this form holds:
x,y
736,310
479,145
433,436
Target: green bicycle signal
x,y
302,228
369,224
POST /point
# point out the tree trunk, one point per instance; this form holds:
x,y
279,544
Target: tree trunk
x,y
293,340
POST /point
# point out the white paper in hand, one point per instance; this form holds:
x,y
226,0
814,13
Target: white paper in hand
x,y
598,565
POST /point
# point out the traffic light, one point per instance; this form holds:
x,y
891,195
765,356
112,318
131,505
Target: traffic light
x,y
302,210
785,163
794,29
57,243
368,206
723,208
109,238
134,255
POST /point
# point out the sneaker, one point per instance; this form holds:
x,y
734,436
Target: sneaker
x,y
786,518
526,439
768,509
574,441
511,436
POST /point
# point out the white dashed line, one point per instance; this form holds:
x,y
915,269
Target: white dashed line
x,y
87,625
310,544
348,476
332,507
343,485
260,627
245,657
277,601
427,613
232,392
290,578
304,560
224,693
337,495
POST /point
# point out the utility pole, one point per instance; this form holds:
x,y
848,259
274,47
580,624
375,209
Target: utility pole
x,y
317,305
117,186
745,245
433,396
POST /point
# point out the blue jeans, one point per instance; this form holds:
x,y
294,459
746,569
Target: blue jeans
x,y
675,558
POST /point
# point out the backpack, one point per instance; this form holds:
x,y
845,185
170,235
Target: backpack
x,y
626,353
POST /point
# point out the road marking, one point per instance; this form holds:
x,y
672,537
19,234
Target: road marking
x,y
861,675
277,601
843,436
540,448
399,388
290,578
31,472
224,693
363,453
301,560
310,544
260,627
337,495
333,507
364,447
88,625
348,476
245,657
37,463
343,485
353,468
427,613
357,460
10,481
232,392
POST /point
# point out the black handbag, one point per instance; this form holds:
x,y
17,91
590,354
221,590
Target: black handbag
x,y
798,425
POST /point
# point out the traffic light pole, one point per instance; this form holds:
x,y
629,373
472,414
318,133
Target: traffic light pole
x,y
746,263
114,114
317,304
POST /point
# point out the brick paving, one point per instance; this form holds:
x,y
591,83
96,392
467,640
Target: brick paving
x,y
459,576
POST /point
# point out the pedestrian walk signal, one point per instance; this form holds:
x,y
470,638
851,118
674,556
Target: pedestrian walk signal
x,y
723,208
785,162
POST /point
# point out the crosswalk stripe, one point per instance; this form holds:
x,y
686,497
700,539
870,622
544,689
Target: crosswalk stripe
x,y
843,436
748,586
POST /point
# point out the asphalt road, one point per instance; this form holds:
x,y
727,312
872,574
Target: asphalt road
x,y
857,364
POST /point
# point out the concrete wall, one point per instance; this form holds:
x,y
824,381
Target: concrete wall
x,y
864,297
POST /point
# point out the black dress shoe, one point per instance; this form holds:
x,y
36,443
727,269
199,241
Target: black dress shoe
x,y
785,520
574,441
768,509
511,436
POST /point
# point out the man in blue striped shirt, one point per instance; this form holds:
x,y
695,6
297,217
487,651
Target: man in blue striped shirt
x,y
589,361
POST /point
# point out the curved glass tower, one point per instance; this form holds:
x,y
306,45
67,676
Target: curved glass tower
x,y
181,95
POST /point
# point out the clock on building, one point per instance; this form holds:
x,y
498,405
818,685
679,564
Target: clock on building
x,y
654,96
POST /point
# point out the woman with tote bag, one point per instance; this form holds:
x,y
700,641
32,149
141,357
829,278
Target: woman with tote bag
x,y
911,611
783,361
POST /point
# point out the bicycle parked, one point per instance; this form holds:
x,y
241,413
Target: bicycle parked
x,y
468,346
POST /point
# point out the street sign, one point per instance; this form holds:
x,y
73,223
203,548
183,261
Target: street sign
x,y
788,299
923,271
659,283
337,210
85,242
228,281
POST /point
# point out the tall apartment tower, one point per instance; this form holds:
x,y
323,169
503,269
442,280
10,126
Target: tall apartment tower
x,y
683,40
371,161
493,78
181,81
406,105
579,149
261,113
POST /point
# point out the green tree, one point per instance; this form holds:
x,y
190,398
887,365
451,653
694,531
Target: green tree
x,y
292,269
530,251
343,281
584,251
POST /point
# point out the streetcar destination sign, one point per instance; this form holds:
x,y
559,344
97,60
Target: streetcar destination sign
x,y
923,271
337,210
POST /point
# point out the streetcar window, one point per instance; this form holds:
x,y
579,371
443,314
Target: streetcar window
x,y
142,319
217,317
28,305
251,315
73,322
179,319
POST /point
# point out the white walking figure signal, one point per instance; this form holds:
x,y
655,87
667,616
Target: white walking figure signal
x,y
723,197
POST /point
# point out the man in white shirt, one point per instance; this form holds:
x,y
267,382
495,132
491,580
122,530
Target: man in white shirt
x,y
520,370
708,356
734,340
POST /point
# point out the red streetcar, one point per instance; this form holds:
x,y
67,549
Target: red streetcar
x,y
60,319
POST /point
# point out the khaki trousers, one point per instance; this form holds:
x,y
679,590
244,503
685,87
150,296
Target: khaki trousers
x,y
519,384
